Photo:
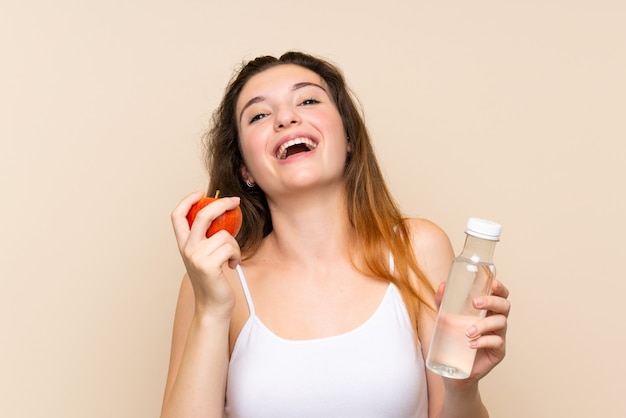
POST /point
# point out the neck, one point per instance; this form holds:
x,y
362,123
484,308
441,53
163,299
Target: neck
x,y
311,228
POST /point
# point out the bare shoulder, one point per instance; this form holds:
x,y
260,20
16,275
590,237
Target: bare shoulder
x,y
432,248
425,230
427,237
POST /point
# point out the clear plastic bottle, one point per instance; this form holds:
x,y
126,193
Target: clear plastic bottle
x,y
470,276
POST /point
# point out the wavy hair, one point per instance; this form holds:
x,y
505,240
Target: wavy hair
x,y
372,212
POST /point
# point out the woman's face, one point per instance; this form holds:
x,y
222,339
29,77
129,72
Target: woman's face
x,y
290,130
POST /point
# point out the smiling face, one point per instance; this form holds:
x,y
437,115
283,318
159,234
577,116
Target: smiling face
x,y
291,133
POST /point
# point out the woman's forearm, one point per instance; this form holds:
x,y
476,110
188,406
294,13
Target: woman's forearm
x,y
200,384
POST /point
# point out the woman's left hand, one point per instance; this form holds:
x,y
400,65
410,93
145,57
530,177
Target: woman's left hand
x,y
488,335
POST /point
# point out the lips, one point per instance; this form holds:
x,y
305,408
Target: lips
x,y
294,146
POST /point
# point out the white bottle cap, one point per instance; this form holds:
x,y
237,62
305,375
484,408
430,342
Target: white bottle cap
x,y
482,228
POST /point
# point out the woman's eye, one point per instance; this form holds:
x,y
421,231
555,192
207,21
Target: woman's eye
x,y
258,116
310,101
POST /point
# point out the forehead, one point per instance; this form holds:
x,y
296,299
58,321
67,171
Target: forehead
x,y
278,79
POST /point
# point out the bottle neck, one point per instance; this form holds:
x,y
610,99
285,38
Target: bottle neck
x,y
478,249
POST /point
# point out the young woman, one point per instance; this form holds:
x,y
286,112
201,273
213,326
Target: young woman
x,y
324,304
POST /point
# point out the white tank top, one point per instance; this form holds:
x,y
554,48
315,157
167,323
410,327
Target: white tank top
x,y
373,371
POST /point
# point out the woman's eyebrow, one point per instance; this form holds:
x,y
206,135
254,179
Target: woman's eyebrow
x,y
295,87
249,103
306,84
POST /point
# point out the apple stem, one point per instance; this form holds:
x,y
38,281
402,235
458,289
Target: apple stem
x,y
217,193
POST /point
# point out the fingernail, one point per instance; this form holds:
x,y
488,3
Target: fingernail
x,y
479,302
471,332
473,343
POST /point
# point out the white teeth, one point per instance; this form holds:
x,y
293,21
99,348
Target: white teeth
x,y
282,151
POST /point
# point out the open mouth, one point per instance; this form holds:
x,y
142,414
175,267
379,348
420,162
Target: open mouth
x,y
295,146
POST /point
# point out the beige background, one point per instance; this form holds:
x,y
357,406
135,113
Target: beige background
x,y
513,111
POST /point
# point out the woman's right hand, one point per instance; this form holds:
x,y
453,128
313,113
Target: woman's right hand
x,y
204,257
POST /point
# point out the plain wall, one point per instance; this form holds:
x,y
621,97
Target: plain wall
x,y
513,111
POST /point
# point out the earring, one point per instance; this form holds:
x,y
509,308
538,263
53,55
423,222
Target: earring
x,y
249,184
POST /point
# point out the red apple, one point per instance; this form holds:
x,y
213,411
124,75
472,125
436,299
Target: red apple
x,y
229,220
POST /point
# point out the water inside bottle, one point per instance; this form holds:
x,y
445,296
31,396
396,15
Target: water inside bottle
x,y
449,354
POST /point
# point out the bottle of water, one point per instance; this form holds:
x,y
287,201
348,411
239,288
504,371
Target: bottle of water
x,y
470,276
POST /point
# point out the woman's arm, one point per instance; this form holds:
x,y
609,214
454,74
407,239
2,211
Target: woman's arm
x,y
451,398
198,366
196,382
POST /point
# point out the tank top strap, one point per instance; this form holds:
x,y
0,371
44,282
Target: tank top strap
x,y
246,291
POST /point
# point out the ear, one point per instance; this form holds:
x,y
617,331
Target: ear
x,y
348,145
245,174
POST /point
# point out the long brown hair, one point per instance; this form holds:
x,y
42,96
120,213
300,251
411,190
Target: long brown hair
x,y
372,212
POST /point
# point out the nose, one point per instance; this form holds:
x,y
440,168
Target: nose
x,y
286,116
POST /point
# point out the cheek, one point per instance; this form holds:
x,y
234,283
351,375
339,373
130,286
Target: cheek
x,y
252,150
335,125
250,142
330,121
